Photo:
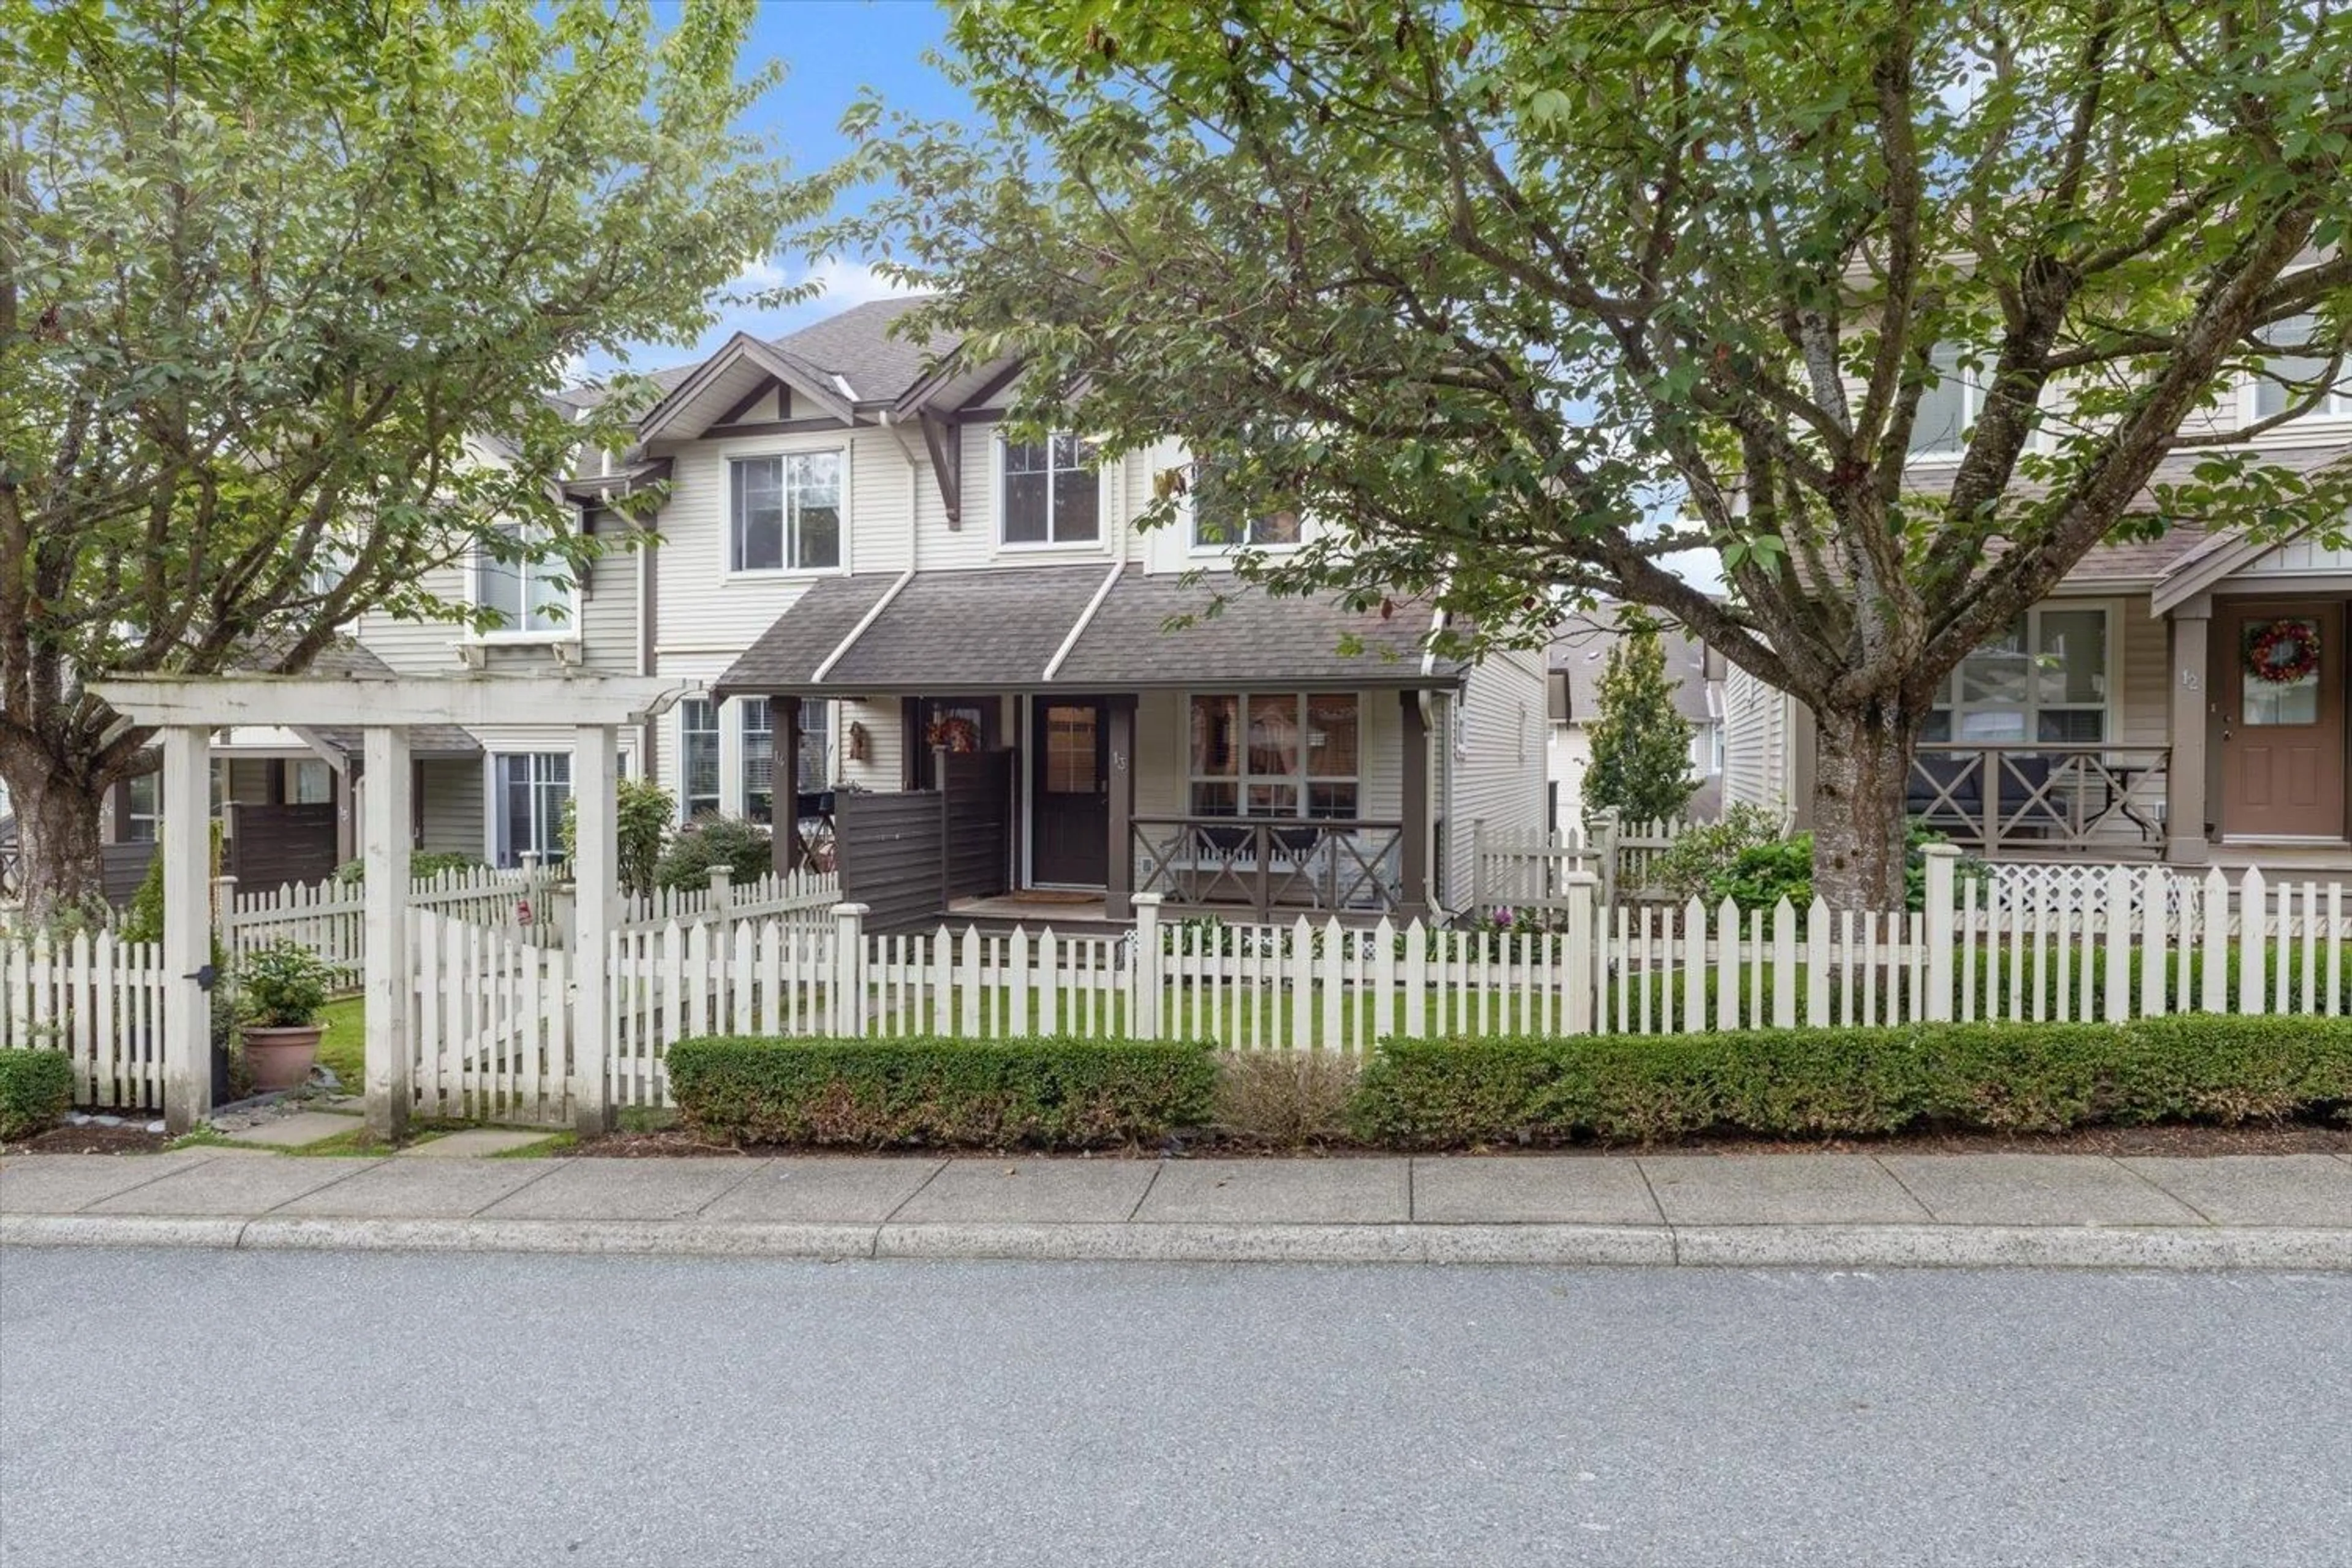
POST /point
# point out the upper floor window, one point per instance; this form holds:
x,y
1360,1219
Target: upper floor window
x,y
527,596
2288,379
1052,494
787,513
1221,522
1948,408
2045,679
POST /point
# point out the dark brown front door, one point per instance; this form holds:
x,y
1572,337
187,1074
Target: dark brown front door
x,y
2282,733
1070,794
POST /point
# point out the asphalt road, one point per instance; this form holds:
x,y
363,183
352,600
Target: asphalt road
x,y
201,1408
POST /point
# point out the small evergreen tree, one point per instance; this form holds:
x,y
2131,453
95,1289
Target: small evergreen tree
x,y
1641,746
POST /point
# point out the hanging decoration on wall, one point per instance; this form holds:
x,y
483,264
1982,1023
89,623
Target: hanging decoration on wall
x,y
860,747
2283,652
954,732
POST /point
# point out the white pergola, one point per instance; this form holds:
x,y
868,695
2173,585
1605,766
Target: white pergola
x,y
187,709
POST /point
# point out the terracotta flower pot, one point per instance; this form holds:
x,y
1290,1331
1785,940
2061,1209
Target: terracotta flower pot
x,y
280,1058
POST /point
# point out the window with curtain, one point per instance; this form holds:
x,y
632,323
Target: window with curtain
x,y
697,752
786,512
817,743
2045,679
1275,755
532,789
1052,494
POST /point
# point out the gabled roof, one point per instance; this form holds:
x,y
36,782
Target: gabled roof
x,y
1004,629
741,365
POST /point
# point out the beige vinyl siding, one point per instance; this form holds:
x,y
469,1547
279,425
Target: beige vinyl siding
x,y
608,609
1499,780
886,743
456,820
1755,742
2144,705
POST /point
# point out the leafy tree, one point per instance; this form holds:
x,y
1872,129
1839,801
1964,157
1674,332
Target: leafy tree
x,y
643,812
1641,742
1513,294
283,290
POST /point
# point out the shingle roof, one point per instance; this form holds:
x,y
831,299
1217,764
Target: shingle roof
x,y
1252,640
1001,629
855,345
1579,650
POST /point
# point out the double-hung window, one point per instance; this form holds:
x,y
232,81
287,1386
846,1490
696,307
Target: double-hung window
x,y
698,737
1051,494
1283,754
2290,379
816,738
532,789
757,750
786,512
1949,407
529,597
2043,680
1220,520
142,809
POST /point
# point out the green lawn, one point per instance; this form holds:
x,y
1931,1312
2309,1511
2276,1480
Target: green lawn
x,y
343,1047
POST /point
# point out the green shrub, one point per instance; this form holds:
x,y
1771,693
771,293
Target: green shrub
x,y
743,847
1821,1083
283,985
36,1090
1706,849
644,811
143,917
1760,875
352,873
941,1093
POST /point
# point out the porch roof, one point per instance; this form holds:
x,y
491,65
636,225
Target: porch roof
x,y
1069,628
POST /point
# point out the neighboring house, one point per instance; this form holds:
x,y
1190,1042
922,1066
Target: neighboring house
x,y
1579,653
911,626
2123,717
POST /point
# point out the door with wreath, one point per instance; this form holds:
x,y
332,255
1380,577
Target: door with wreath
x,y
2279,692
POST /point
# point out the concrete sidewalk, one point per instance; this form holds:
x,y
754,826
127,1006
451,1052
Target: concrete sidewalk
x,y
2289,1211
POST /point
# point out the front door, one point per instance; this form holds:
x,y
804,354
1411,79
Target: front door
x,y
1070,794
2279,681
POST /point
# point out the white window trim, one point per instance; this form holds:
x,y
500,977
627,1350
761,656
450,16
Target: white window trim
x,y
685,805
1300,780
569,632
2328,420
494,798
1098,546
1200,552
1972,397
731,456
2114,684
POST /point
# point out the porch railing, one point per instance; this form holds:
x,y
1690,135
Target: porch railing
x,y
2027,795
1272,866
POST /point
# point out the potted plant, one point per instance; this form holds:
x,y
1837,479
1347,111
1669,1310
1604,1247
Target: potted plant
x,y
281,989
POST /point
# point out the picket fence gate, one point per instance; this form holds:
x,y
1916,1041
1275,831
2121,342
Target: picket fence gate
x,y
1524,872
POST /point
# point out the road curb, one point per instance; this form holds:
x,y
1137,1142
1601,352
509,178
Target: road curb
x,y
1733,1247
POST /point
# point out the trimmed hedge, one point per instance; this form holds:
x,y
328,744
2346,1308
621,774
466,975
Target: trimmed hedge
x,y
941,1093
36,1091
1816,1083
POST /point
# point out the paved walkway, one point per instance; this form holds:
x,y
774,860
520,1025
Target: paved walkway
x,y
1845,1210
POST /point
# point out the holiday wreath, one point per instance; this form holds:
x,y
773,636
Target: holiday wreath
x,y
2283,652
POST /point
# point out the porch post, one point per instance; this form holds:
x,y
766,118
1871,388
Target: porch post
x,y
1118,881
186,831
784,832
2184,774
1413,904
595,880
384,840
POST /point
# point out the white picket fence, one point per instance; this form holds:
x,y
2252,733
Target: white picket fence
x,y
1529,871
98,999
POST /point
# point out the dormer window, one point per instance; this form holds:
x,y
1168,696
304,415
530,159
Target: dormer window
x,y
2288,379
1948,408
1219,521
786,512
1050,493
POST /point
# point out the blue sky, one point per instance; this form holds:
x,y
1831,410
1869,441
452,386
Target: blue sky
x,y
831,50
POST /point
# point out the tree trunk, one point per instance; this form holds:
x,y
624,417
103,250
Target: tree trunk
x,y
57,832
1861,770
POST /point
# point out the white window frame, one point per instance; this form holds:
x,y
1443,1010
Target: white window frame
x,y
1299,779
1104,495
1972,397
730,525
493,772
525,572
2111,705
745,707
1188,508
2332,413
718,736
